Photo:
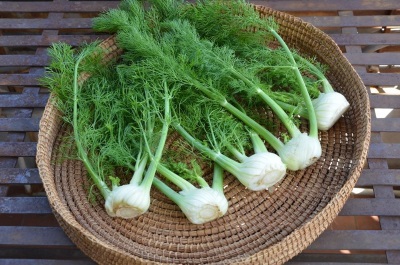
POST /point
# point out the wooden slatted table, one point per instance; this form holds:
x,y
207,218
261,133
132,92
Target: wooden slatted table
x,y
367,231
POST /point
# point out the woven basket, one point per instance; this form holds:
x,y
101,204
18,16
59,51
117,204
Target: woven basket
x,y
259,227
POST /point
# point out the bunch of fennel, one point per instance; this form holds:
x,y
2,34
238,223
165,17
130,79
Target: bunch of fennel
x,y
109,126
120,124
190,70
199,204
231,23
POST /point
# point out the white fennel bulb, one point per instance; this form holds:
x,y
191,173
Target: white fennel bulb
x,y
261,170
300,151
128,201
329,107
202,205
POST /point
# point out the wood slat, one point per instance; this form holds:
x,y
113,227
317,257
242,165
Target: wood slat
x,y
357,240
45,23
23,100
312,257
384,101
20,176
386,177
387,58
318,21
327,5
57,6
24,60
18,149
369,79
366,39
380,79
43,253
19,79
45,41
385,125
384,150
33,236
359,206
353,21
19,124
24,205
291,5
371,206
330,263
48,262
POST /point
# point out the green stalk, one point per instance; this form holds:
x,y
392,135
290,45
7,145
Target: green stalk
x,y
139,170
202,182
260,130
218,178
267,135
290,108
258,144
104,189
174,178
310,108
155,160
230,165
170,193
327,88
290,126
236,153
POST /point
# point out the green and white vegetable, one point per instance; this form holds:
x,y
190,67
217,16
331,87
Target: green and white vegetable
x,y
230,23
199,71
200,205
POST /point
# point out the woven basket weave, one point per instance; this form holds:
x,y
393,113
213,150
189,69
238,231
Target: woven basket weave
x,y
259,227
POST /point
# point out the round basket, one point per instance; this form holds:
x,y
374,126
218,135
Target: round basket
x,y
259,227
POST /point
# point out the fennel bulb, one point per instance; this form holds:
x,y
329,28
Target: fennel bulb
x,y
128,201
202,205
300,151
329,107
199,205
261,170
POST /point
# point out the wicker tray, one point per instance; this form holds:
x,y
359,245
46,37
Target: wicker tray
x,y
259,228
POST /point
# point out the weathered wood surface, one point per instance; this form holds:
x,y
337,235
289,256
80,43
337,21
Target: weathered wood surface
x,y
358,27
